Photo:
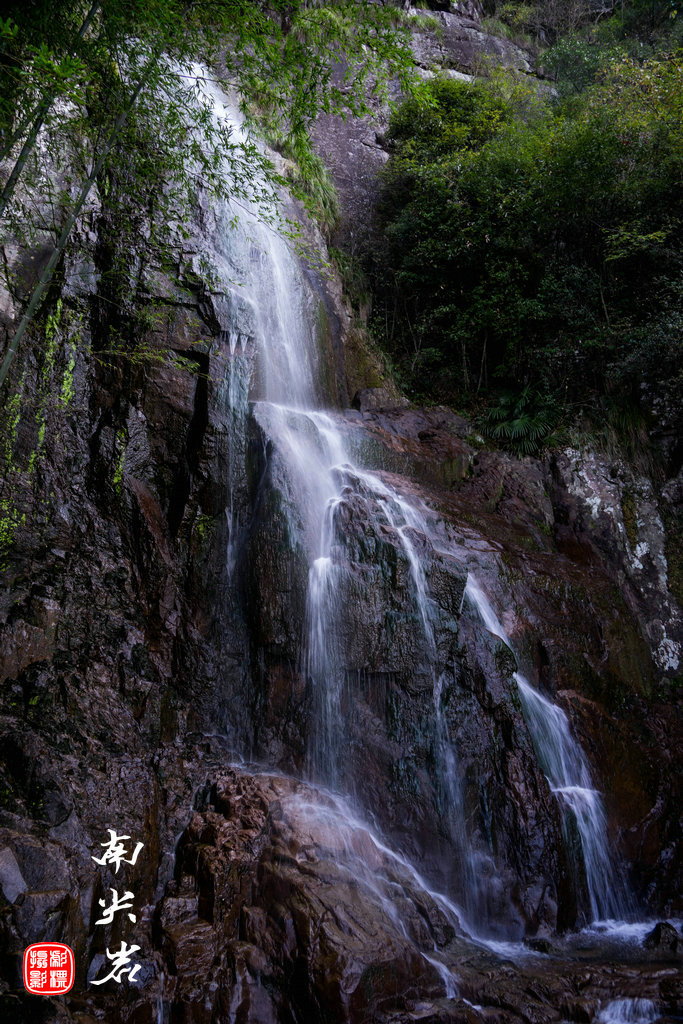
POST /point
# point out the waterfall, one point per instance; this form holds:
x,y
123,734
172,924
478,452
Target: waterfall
x,y
269,303
320,471
569,777
388,878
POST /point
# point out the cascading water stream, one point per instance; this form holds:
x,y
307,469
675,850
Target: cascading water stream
x,y
388,878
407,520
324,662
569,777
628,1011
237,403
571,781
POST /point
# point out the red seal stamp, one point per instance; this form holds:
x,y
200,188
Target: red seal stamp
x,y
49,968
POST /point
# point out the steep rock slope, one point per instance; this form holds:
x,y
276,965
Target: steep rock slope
x,y
152,613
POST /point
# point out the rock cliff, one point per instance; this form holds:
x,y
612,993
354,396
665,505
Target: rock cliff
x,y
155,567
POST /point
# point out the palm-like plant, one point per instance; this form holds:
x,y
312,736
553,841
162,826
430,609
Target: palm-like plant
x,y
521,421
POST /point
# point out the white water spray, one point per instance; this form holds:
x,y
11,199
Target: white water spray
x,y
628,1011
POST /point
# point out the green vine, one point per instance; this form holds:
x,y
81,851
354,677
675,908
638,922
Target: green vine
x,y
55,393
68,390
121,443
11,519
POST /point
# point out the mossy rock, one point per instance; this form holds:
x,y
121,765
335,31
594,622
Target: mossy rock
x,y
365,366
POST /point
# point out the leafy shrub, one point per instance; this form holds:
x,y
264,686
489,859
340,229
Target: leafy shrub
x,y
575,63
446,115
533,250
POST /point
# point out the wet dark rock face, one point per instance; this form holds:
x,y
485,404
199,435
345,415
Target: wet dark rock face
x,y
573,554
663,936
306,940
386,746
136,661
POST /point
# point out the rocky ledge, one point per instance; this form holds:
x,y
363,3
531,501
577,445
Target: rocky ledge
x,y
284,906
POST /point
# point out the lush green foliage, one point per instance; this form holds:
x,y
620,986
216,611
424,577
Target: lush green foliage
x,y
541,249
103,89
520,420
551,21
576,63
442,118
280,56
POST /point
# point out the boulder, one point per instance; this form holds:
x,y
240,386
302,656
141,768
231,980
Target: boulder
x,y
663,937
